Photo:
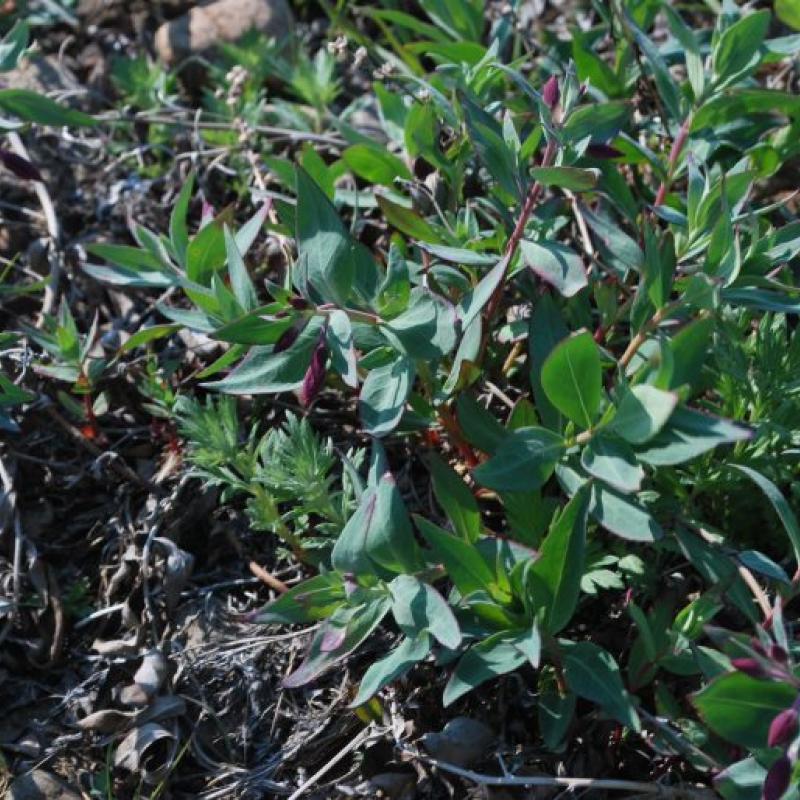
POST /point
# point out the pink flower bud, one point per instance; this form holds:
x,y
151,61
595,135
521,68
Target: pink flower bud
x,y
777,653
783,728
758,647
207,214
550,93
315,374
20,166
777,781
750,666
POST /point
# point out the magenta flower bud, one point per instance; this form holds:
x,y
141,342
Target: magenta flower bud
x,y
20,166
603,151
783,728
207,214
550,93
350,584
286,339
758,647
777,653
315,374
750,666
777,781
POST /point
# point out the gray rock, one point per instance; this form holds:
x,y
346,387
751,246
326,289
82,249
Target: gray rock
x,y
221,21
463,742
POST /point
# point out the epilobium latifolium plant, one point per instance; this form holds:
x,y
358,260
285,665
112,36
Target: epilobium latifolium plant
x,y
582,242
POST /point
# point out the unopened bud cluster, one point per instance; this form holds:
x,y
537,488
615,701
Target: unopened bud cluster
x,y
338,48
236,78
773,664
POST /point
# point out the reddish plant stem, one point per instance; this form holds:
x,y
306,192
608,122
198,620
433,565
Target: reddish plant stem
x,y
674,155
449,422
517,234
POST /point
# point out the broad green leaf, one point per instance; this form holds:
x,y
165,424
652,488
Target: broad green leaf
x,y
247,234
309,601
427,329
391,667
375,164
146,335
592,673
788,12
407,221
623,516
743,103
555,576
462,19
690,352
455,497
460,255
135,259
395,290
422,136
313,163
241,285
572,378
740,708
332,643
256,327
573,178
339,337
378,537
594,69
265,372
484,661
763,565
384,395
205,253
689,434
419,608
324,245
13,45
762,299
601,121
737,51
779,503
486,136
690,47
465,369
178,232
126,276
617,248
741,781
612,461
34,107
464,564
547,328
642,413
476,299
524,460
556,264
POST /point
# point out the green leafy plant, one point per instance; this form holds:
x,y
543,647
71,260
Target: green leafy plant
x,y
615,282
288,475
